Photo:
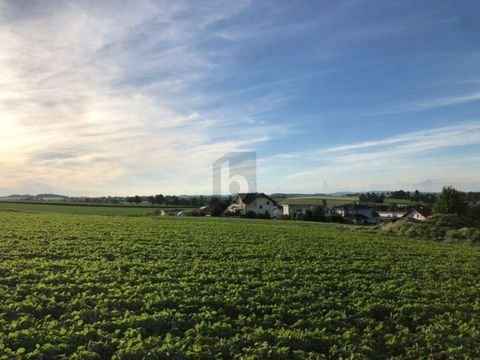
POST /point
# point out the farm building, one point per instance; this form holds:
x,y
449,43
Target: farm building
x,y
259,203
391,215
292,209
418,214
357,213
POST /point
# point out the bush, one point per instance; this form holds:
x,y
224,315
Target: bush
x,y
440,227
447,220
474,215
197,212
470,235
250,214
299,216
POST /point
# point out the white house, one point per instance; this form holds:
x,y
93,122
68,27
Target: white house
x,y
259,203
357,213
418,214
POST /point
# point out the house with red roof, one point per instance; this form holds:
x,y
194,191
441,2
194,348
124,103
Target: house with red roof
x,y
419,213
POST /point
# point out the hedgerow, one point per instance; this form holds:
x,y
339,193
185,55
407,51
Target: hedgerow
x,y
440,227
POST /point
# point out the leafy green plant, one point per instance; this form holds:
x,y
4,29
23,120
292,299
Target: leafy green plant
x,y
96,287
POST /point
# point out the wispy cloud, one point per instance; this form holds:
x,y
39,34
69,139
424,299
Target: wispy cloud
x,y
102,103
439,102
381,164
98,98
447,136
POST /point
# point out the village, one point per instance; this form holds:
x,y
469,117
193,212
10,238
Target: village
x,y
261,205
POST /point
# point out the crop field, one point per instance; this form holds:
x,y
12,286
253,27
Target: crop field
x,y
81,209
336,200
319,200
99,287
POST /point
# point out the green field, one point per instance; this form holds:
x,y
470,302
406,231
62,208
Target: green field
x,y
318,200
82,209
335,200
96,287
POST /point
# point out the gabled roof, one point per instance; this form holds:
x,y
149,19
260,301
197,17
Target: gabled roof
x,y
248,198
426,212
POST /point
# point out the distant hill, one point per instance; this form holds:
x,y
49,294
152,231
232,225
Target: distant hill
x,y
28,197
51,196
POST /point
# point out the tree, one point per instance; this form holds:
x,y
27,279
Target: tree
x,y
416,196
137,199
159,199
217,206
451,201
474,214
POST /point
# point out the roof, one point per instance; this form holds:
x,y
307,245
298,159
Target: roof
x,y
426,212
353,207
248,198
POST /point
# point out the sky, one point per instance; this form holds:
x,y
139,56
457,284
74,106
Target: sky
x,y
142,97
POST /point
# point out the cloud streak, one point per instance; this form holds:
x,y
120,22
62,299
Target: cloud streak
x,y
98,98
440,102
376,165
103,106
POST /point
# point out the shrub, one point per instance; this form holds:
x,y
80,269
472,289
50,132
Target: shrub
x,y
439,227
250,214
447,220
470,235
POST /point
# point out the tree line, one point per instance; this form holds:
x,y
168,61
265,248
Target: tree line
x,y
379,198
454,202
167,200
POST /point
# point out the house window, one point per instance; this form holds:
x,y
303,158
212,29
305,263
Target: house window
x,y
260,207
268,202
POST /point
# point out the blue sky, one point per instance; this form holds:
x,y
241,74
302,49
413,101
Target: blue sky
x,y
142,97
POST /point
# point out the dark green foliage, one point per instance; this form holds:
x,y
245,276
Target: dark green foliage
x,y
218,206
250,214
466,235
393,207
451,201
373,198
316,214
428,198
96,287
253,215
474,214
